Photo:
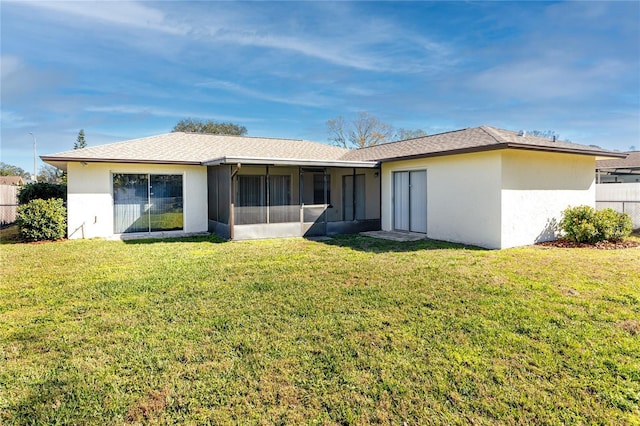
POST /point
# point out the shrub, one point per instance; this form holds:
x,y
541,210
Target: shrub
x,y
42,191
613,225
582,224
577,224
42,220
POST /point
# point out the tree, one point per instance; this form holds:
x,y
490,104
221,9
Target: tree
x,y
10,170
403,134
51,174
41,190
211,127
80,141
549,134
365,130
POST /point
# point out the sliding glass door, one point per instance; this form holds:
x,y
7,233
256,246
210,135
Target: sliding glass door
x,y
165,203
410,201
147,203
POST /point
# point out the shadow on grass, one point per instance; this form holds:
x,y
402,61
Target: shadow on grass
x,y
379,245
209,238
352,241
10,235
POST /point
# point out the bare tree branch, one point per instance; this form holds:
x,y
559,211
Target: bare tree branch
x,y
365,130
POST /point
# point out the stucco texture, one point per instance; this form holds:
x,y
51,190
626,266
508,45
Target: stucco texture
x,y
496,199
90,196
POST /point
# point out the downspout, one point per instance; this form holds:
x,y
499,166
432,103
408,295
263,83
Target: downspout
x,y
380,194
326,208
233,200
267,192
300,198
353,196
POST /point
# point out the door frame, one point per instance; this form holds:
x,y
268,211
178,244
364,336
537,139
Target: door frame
x,y
409,206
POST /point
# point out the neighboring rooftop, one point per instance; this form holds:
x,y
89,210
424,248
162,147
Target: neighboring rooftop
x,y
11,180
631,162
474,139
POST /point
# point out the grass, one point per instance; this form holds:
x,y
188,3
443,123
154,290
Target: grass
x,y
349,331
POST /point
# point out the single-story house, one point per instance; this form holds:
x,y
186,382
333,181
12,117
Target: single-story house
x,y
618,186
11,180
484,186
619,170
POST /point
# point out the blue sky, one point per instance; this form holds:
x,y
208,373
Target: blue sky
x,y
122,70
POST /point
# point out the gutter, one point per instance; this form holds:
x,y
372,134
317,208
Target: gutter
x,y
290,162
47,158
510,145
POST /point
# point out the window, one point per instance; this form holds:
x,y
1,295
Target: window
x,y
254,205
250,191
279,190
147,203
318,189
353,197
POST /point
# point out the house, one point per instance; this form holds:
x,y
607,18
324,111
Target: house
x,y
484,186
11,180
618,186
620,170
238,187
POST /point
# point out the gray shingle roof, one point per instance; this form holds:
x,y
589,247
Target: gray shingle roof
x,y
468,140
632,161
195,148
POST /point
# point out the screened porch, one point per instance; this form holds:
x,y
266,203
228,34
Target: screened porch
x,y
255,201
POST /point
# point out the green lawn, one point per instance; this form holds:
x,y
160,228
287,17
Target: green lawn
x,y
348,331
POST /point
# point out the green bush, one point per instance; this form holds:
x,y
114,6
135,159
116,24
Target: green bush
x,y
43,191
582,224
42,220
613,225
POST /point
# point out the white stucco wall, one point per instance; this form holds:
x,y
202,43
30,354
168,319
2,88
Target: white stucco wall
x,y
536,188
463,197
496,199
90,196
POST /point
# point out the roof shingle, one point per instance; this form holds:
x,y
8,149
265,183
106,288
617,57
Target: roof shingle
x,y
468,140
196,148
632,161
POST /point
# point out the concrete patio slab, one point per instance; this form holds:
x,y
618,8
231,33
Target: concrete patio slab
x,y
395,235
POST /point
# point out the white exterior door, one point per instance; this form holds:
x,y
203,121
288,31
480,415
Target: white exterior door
x,y
410,201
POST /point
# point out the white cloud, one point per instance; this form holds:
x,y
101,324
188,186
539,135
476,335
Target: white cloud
x,y
9,64
124,13
335,40
304,99
10,119
540,79
163,112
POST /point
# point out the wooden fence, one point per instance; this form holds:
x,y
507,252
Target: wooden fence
x,y
622,197
8,203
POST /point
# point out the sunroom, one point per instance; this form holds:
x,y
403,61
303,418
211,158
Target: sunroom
x,y
250,199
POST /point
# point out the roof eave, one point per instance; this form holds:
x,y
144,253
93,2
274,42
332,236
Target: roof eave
x,y
600,155
445,153
290,162
54,159
510,145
